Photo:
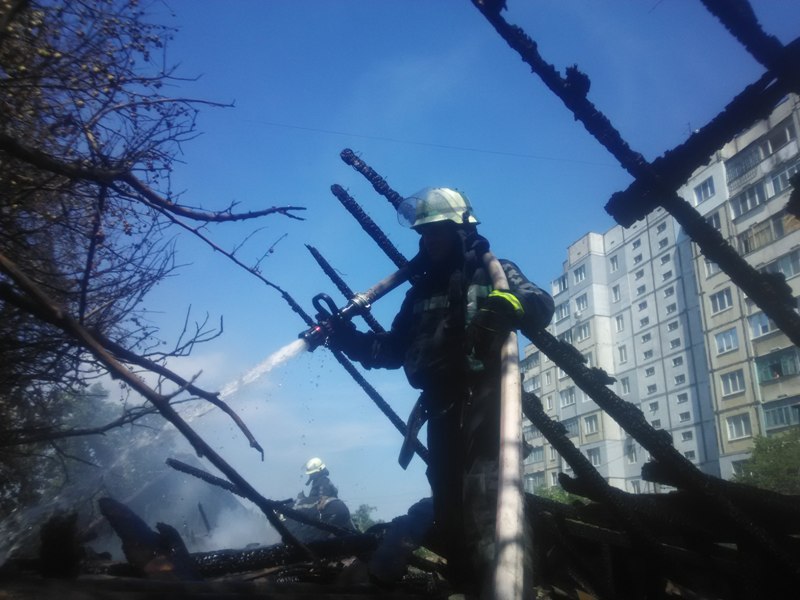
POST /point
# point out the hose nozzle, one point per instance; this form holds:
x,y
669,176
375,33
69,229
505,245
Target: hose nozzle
x,y
327,314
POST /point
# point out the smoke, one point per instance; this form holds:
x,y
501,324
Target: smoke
x,y
238,528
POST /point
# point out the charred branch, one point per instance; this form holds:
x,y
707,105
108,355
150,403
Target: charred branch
x,y
84,337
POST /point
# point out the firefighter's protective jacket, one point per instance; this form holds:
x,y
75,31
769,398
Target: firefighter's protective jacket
x,y
427,337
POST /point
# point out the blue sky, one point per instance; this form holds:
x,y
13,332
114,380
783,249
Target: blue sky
x,y
428,94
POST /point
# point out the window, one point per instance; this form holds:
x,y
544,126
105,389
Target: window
x,y
675,343
553,453
646,338
562,311
681,398
642,305
590,424
561,373
567,396
760,325
548,378
672,326
745,160
704,191
593,454
571,425
666,275
582,332
536,455
579,274
651,389
761,234
789,264
669,292
779,417
748,199
640,290
614,263
587,359
644,322
566,336
647,354
615,294
622,351
625,384
530,362
671,308
712,268
581,302
738,426
721,301
532,384
677,361
689,454
665,258
652,406
636,243
687,436
727,340
619,323
662,227
639,274
560,285
655,423
680,379
732,383
684,416
553,478
778,365
630,453
649,371
662,243
534,482
637,259
549,402
780,180
714,220
636,486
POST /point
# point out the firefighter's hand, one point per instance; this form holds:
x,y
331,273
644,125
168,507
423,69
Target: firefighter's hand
x,y
342,335
500,314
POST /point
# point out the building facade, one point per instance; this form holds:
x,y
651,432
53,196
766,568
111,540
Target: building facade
x,y
683,343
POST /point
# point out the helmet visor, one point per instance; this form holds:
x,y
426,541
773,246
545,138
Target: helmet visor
x,y
431,205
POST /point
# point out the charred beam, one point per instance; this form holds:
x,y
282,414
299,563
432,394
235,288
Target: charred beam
x,y
368,225
659,444
656,183
378,182
340,284
738,17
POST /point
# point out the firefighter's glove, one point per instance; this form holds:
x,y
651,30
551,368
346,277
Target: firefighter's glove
x,y
342,334
500,314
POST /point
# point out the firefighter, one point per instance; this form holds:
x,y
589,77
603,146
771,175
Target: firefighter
x,y
322,502
319,480
447,337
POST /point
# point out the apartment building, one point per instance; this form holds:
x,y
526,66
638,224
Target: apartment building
x,y
753,367
684,344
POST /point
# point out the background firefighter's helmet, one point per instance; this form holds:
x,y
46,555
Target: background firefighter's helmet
x,y
314,465
432,205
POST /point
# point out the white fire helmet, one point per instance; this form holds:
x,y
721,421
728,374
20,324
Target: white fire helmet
x,y
432,205
314,465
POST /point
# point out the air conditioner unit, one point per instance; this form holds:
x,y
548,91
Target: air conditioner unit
x,y
578,314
